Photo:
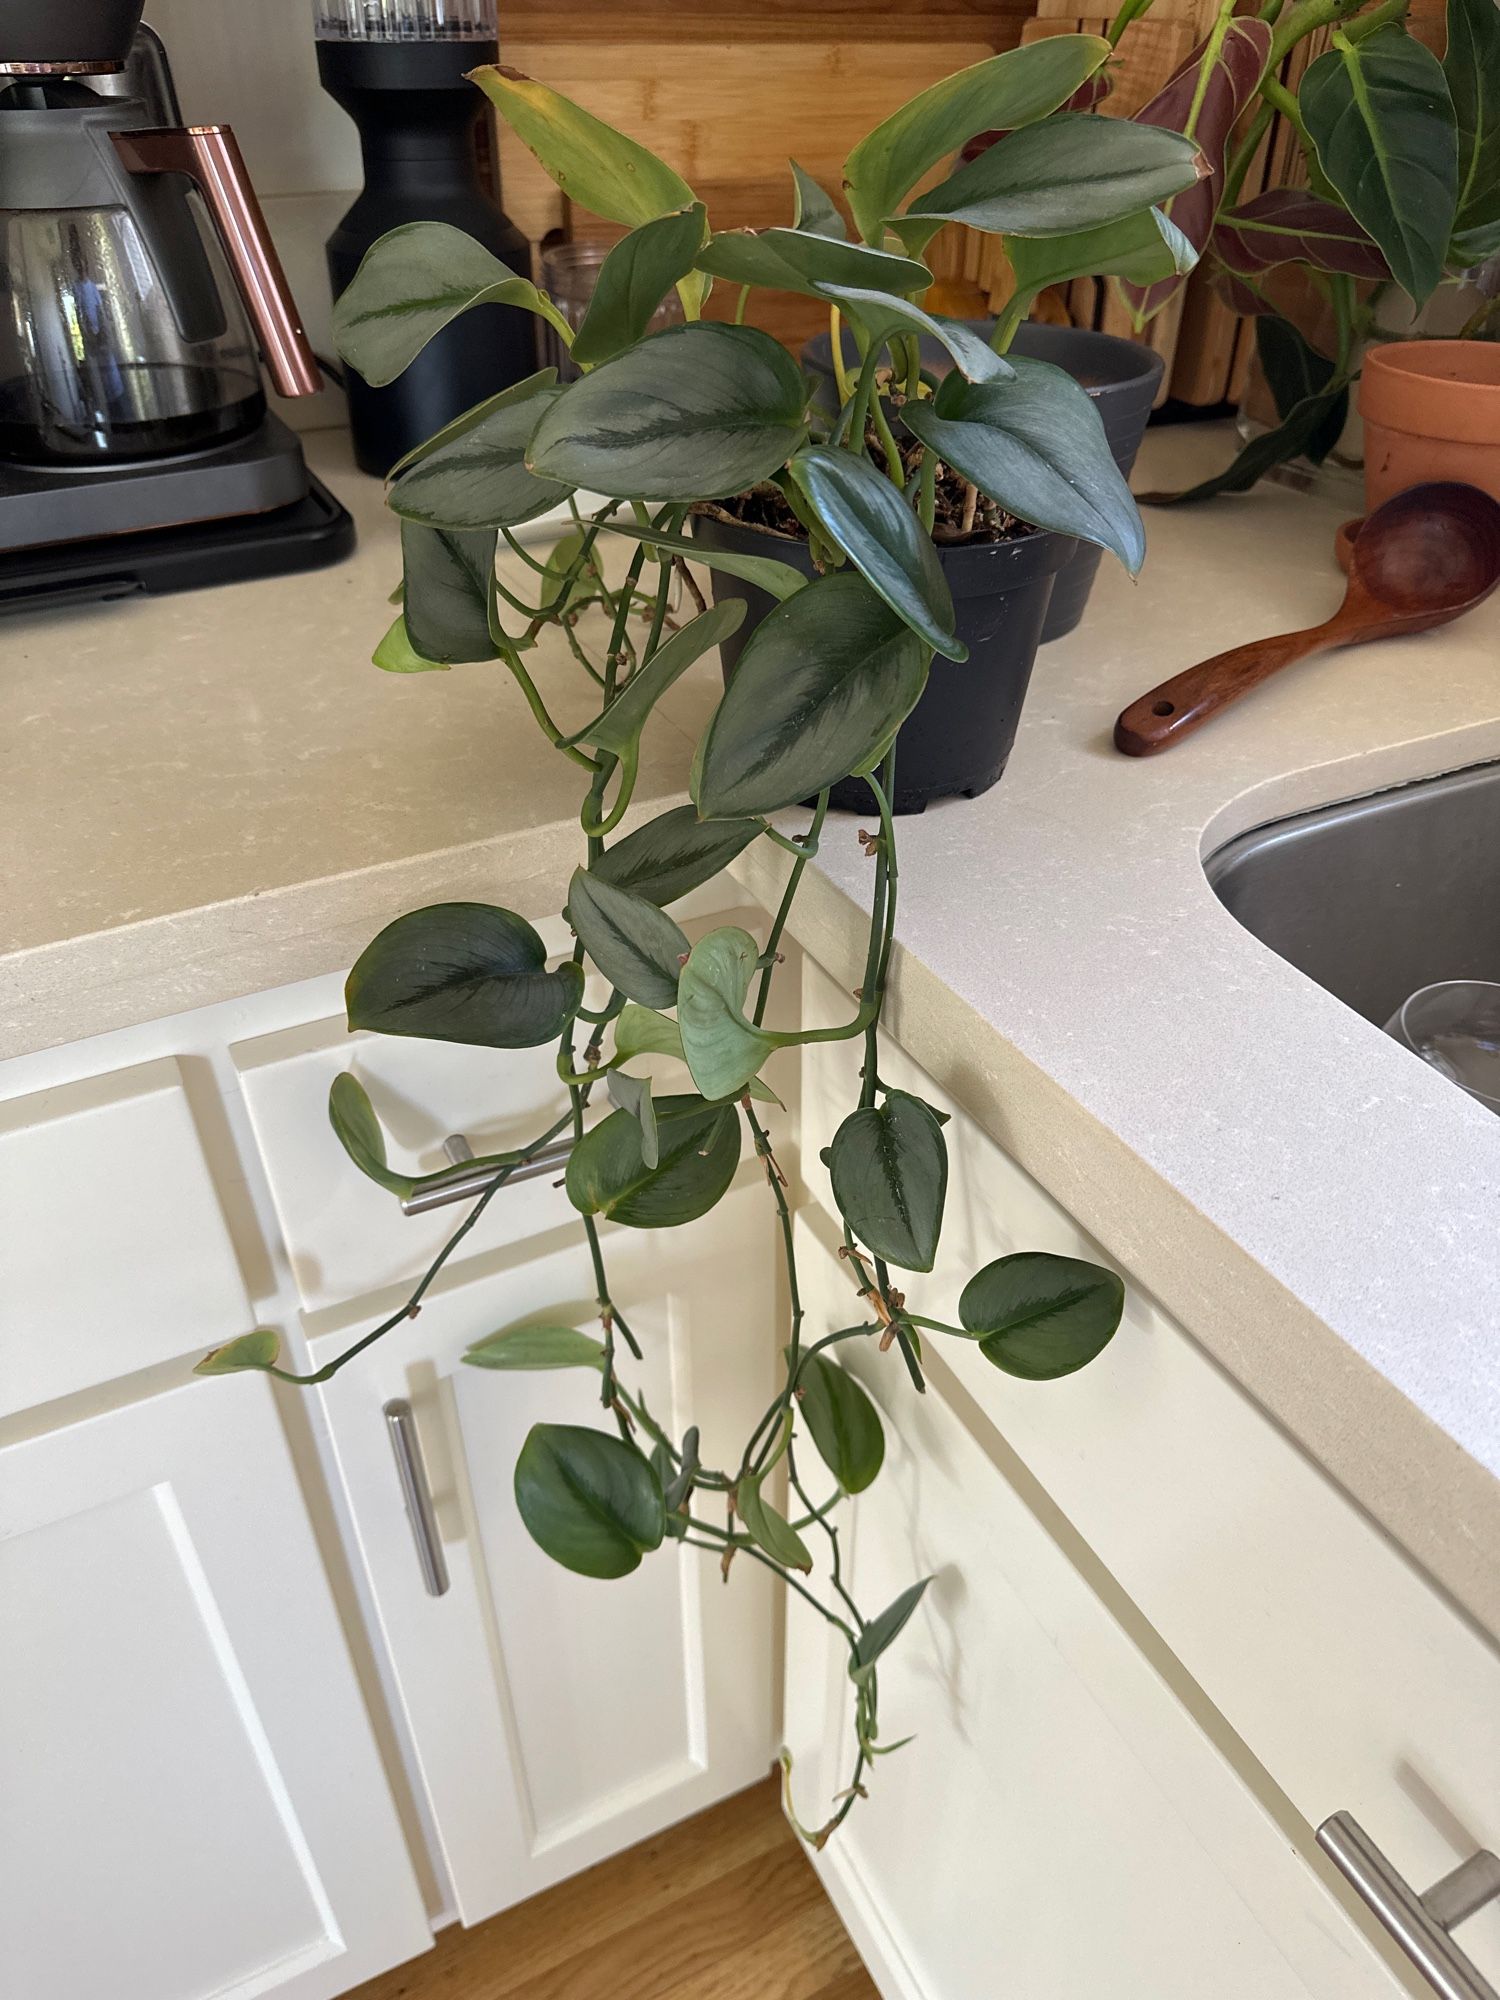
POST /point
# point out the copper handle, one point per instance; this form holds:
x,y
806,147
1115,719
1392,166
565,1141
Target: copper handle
x,y
210,156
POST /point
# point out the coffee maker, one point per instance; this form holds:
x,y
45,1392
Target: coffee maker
x,y
139,289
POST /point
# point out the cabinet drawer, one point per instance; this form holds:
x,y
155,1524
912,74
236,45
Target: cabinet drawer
x,y
345,1236
114,1253
1343,1671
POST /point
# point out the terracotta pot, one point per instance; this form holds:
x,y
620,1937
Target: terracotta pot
x,y
1432,411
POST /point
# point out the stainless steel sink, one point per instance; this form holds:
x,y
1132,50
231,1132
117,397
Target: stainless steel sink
x,y
1380,895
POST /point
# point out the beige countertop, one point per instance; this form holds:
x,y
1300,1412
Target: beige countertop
x,y
213,794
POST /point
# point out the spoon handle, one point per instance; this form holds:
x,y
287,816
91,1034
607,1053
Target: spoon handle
x,y
1184,703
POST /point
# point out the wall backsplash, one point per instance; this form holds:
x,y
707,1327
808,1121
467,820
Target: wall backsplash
x,y
250,64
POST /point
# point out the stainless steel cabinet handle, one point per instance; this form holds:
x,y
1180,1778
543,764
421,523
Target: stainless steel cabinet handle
x,y
412,1472
1419,1924
465,1182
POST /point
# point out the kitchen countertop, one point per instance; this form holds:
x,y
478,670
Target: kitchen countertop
x,y
213,794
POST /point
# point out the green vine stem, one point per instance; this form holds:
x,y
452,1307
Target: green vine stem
x,y
410,1309
840,372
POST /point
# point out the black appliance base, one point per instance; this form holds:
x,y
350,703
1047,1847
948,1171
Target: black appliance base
x,y
43,506
310,534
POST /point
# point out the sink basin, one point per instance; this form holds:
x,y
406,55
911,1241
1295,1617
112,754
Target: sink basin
x,y
1380,895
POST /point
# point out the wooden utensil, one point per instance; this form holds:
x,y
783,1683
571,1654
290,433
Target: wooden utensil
x,y
1422,559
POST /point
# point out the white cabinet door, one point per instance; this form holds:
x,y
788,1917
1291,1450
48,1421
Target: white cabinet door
x,y
1064,1826
556,1718
193,1804
114,1254
1348,1680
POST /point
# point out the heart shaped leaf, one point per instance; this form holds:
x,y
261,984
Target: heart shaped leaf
x,y
1036,445
1296,373
536,1347
1292,226
721,1049
447,578
397,655
865,516
594,165
880,1632
462,972
1003,92
882,316
357,1129
1142,249
1379,113
476,476
698,1149
619,728
823,682
235,1357
1065,174
635,945
640,1031
777,579
813,208
674,853
561,587
768,1528
589,1500
409,284
692,413
633,1094
1312,403
1203,99
634,279
890,1179
1039,1316
1288,440
678,1482
534,385
843,1422
799,260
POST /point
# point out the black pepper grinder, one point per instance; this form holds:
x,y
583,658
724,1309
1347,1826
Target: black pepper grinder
x,y
398,68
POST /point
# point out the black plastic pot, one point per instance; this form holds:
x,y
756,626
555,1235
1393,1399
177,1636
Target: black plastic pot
x,y
1121,377
956,740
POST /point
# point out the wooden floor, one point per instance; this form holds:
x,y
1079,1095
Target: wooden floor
x,y
723,1907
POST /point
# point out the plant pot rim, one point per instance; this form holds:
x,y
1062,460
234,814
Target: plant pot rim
x,y
973,569
1138,365
1434,388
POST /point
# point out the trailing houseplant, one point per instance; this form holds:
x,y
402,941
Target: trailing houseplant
x,y
1401,157
705,412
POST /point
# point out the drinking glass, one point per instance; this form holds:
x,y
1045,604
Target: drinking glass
x,y
1455,1026
569,273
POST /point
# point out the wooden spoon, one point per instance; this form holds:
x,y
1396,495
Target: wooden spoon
x,y
1425,557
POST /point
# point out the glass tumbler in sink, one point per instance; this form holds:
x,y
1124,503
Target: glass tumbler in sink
x,y
1455,1026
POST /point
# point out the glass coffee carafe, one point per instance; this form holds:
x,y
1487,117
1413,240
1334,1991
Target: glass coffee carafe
x,y
123,333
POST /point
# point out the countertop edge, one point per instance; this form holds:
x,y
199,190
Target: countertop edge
x,y
148,971
1404,1471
